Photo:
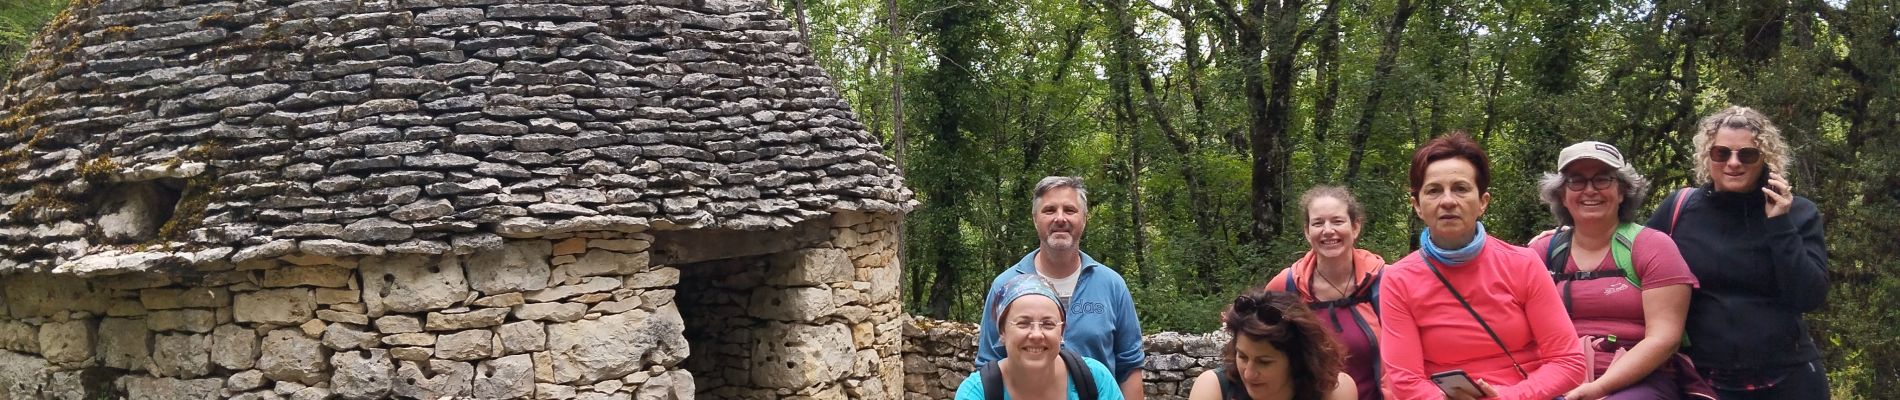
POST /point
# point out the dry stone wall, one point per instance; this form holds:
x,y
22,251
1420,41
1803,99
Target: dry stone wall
x,y
585,316
938,355
578,317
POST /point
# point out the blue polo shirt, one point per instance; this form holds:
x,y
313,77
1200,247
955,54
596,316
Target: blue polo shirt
x,y
1101,324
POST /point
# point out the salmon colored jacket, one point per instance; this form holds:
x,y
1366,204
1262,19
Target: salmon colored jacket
x,y
1366,267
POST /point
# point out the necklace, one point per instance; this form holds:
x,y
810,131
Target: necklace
x,y
1344,292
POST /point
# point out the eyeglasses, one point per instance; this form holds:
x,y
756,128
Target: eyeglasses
x,y
1266,312
1749,155
1046,326
1600,182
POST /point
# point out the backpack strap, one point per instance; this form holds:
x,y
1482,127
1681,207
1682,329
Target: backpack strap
x,y
1621,247
992,381
1079,375
1290,288
1682,197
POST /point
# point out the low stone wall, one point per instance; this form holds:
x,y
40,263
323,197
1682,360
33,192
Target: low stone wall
x,y
588,316
938,355
577,317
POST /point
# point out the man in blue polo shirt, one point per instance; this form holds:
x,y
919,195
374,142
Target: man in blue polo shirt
x,y
1101,322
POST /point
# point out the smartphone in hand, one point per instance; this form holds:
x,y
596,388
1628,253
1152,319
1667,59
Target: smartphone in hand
x,y
1454,380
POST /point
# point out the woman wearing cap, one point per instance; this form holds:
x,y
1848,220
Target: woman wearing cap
x,y
1036,367
1488,307
1276,350
1338,280
1759,252
1634,322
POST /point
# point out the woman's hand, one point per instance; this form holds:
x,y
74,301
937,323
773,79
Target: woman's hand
x,y
1462,394
1588,391
1780,195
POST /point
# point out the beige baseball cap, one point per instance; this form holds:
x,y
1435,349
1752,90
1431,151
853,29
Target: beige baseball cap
x,y
1591,150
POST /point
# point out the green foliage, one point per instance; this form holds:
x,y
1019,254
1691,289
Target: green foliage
x,y
20,21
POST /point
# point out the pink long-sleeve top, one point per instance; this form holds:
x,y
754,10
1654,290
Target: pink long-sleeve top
x,y
1426,330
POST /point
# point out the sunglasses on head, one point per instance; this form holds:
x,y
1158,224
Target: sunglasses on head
x,y
1748,155
1267,313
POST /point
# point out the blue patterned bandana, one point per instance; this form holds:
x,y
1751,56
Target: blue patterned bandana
x,y
1025,285
1452,257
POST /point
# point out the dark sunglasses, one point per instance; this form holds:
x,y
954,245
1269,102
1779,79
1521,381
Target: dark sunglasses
x,y
1601,182
1267,313
1749,155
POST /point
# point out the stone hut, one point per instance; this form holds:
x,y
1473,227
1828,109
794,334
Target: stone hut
x,y
594,199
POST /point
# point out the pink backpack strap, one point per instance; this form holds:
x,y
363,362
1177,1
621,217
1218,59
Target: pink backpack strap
x,y
1682,196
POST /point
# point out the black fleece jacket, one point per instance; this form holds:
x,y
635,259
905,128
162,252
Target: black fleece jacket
x,y
1758,276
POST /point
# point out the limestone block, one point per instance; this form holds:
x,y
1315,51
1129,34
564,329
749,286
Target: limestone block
x,y
41,295
362,374
499,301
588,351
465,345
602,262
341,337
21,375
311,393
482,318
417,354
167,299
275,306
67,344
412,283
410,339
549,391
517,266
616,307
552,312
810,267
658,277
885,284
328,277
508,377
799,355
19,336
138,387
398,324
246,380
181,356
570,246
187,320
234,347
443,379
312,328
328,296
791,304
673,385
523,337
595,284
289,355
124,343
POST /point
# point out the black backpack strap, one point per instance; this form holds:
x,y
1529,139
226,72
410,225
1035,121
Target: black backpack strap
x,y
992,381
1474,315
1079,375
1229,390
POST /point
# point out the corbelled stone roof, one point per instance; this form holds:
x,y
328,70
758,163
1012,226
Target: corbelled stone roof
x,y
143,133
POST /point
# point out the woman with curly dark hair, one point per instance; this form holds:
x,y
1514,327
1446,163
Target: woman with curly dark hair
x,y
1277,351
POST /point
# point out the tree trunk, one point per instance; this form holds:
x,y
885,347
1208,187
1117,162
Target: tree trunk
x,y
1381,71
804,28
1327,75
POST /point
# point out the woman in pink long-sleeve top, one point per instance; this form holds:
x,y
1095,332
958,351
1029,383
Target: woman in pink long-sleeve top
x,y
1513,338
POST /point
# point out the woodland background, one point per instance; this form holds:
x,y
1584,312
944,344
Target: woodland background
x,y
1197,124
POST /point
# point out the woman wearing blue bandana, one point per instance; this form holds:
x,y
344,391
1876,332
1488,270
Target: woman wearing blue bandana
x,y
1037,367
1488,307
